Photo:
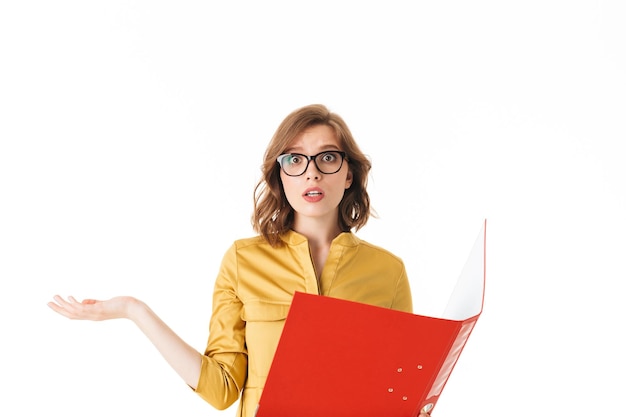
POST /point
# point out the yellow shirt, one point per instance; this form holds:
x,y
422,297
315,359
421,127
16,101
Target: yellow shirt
x,y
253,291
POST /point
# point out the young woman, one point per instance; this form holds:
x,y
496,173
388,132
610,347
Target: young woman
x,y
311,198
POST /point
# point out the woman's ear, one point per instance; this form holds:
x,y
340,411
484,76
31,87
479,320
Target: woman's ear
x,y
349,179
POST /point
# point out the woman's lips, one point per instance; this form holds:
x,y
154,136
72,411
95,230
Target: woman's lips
x,y
313,195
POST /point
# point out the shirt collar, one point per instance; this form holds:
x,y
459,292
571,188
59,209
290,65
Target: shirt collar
x,y
291,237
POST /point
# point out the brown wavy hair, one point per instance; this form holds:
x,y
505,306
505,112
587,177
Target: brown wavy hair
x,y
273,215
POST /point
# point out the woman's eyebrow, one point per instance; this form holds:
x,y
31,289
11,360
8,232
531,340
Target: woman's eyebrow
x,y
299,149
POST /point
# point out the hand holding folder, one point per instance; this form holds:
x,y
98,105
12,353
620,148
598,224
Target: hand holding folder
x,y
341,358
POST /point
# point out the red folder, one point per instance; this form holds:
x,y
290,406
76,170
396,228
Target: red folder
x,y
341,358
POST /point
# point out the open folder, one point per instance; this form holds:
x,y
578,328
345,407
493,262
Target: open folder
x,y
341,358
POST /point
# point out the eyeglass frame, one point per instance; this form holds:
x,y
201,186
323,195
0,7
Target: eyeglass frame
x,y
310,158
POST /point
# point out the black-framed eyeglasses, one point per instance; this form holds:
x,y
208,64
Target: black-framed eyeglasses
x,y
296,164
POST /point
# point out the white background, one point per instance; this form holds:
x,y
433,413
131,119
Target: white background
x,y
131,139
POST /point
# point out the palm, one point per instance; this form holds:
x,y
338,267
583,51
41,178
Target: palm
x,y
90,309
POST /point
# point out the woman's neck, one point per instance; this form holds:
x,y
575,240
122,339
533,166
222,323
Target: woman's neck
x,y
320,236
319,233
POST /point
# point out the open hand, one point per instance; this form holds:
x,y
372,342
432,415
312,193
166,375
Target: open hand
x,y
89,309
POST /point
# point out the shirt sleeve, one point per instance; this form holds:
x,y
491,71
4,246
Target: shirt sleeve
x,y
225,360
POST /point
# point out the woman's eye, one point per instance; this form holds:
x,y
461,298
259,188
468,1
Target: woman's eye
x,y
328,157
294,160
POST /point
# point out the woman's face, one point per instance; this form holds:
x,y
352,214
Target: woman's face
x,y
315,195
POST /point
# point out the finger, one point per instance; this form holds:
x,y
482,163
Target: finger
x,y
60,310
69,308
59,299
62,302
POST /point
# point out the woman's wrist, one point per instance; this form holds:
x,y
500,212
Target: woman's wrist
x,y
134,309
